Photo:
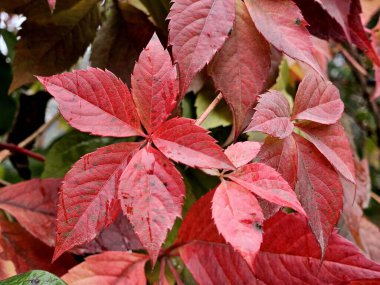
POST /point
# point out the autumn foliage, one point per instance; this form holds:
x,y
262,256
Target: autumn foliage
x,y
218,150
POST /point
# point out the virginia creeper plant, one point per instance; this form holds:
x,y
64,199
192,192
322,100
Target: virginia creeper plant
x,y
121,205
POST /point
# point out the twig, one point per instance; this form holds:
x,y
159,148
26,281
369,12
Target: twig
x,y
16,149
6,153
375,197
209,109
4,183
353,61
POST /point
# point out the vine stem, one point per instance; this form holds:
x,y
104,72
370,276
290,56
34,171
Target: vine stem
x,y
15,148
375,197
4,154
209,109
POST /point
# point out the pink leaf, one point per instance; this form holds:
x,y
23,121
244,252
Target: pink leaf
x,y
272,116
198,223
282,24
109,268
88,200
317,100
290,255
151,194
94,101
214,264
241,67
319,191
182,141
197,30
268,184
33,204
333,143
238,217
241,153
282,156
154,85
51,5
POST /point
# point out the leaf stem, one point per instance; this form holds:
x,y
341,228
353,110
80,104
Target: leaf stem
x,y
16,149
6,153
209,109
375,197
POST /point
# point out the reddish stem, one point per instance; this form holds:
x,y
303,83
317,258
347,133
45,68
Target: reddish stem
x,y
16,149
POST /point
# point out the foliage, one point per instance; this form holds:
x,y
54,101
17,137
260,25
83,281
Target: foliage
x,y
216,141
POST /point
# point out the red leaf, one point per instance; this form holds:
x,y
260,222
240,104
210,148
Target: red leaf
x,y
339,10
238,217
151,194
94,101
290,255
154,85
198,223
319,191
197,30
244,56
21,252
268,184
182,141
88,200
272,116
282,24
282,156
317,100
333,143
241,153
214,264
109,268
370,233
33,204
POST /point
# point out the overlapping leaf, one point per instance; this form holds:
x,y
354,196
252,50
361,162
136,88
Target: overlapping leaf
x,y
151,194
272,116
33,204
241,153
283,25
333,143
109,268
197,30
182,141
317,100
319,191
241,67
95,101
88,200
238,217
268,184
289,254
154,85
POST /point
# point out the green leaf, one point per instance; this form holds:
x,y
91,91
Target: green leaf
x,y
34,277
68,149
220,117
158,10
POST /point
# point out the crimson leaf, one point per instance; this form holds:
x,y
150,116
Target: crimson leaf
x,y
151,192
241,67
272,116
154,85
241,153
197,30
182,141
94,101
268,184
88,200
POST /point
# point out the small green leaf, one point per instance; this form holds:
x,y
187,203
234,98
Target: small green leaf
x,y
34,277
